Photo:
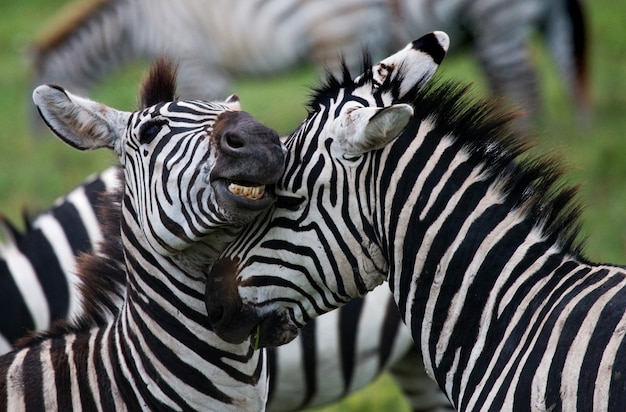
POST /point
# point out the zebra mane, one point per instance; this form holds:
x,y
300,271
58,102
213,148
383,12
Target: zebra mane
x,y
485,127
102,275
334,81
159,86
102,272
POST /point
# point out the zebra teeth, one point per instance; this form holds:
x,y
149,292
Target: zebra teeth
x,y
249,192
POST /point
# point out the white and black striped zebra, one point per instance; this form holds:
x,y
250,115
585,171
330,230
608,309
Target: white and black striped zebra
x,y
38,279
222,39
365,338
478,245
194,172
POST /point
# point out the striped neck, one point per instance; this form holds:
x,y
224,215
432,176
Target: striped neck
x,y
477,274
163,327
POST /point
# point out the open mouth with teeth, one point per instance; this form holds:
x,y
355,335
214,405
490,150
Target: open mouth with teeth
x,y
249,192
244,194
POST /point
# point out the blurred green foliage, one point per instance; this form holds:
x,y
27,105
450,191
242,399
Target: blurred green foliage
x,y
34,171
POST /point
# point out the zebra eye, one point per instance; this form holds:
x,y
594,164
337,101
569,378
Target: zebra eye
x,y
150,130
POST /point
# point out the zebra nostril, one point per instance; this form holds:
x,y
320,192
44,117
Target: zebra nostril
x,y
233,140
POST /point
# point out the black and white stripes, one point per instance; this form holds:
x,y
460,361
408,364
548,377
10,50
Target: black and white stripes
x,y
157,351
479,249
304,374
37,266
364,339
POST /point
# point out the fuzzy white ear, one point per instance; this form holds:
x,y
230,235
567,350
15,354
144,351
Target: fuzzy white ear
x,y
233,102
370,128
82,123
416,63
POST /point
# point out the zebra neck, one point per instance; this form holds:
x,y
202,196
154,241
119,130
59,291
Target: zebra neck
x,y
164,317
475,276
159,285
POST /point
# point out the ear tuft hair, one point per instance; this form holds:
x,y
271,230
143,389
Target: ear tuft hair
x,y
159,86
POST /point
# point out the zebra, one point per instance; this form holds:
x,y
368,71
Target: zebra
x,y
477,239
303,374
93,39
38,266
194,172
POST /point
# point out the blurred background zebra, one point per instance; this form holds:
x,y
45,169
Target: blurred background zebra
x,y
223,39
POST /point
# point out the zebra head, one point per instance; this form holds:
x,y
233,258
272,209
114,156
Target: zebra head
x,y
190,166
261,282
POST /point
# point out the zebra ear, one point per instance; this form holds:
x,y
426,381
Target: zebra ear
x,y
82,123
233,102
414,65
371,128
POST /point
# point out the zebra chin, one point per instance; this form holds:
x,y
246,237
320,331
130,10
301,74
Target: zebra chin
x,y
235,322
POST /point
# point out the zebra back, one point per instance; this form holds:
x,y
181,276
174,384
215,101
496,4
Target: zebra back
x,y
37,266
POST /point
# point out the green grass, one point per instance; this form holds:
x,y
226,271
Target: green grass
x,y
34,171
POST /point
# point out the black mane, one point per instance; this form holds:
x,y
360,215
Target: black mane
x,y
487,129
333,82
159,86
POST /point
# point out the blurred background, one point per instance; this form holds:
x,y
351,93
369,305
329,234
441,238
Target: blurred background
x,y
36,168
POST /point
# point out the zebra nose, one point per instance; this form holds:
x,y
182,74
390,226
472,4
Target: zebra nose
x,y
239,133
222,302
230,321
216,313
222,317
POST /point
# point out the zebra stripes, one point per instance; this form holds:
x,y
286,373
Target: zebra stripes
x,y
282,34
358,114
479,249
157,351
303,374
37,267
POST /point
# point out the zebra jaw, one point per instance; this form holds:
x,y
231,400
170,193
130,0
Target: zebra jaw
x,y
249,192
